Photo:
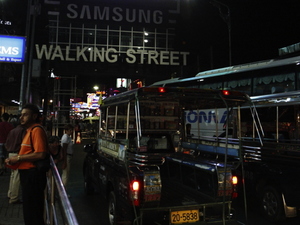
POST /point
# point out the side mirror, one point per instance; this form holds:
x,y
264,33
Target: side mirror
x,y
89,148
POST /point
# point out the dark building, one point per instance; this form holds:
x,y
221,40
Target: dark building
x,y
99,41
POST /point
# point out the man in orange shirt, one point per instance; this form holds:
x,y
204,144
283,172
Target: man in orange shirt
x,y
33,181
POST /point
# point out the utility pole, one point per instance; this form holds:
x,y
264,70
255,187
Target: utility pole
x,y
226,16
2,18
33,9
25,64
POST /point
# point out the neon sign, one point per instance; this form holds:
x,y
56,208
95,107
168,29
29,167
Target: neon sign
x,y
12,49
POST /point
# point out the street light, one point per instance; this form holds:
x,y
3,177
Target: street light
x,y
96,88
227,19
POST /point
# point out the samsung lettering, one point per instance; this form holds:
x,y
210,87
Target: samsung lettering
x,y
116,14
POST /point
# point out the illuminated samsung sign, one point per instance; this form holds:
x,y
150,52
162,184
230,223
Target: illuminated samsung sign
x,y
125,12
116,14
12,49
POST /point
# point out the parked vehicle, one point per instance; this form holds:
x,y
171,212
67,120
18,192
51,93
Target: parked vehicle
x,y
154,165
270,170
271,165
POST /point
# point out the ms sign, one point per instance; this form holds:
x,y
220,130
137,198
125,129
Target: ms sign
x,y
12,49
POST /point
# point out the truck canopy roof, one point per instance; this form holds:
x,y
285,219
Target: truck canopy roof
x,y
190,98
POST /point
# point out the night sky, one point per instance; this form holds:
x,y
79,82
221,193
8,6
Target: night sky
x,y
259,28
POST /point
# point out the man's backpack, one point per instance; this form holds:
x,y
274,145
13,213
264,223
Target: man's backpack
x,y
42,165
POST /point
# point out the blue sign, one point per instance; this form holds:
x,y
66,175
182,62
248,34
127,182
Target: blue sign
x,y
12,49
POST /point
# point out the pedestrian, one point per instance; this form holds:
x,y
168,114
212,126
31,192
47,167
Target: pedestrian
x,y
77,128
13,119
55,149
13,145
67,149
5,128
33,181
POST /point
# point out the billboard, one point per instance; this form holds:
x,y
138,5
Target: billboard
x,y
12,49
206,122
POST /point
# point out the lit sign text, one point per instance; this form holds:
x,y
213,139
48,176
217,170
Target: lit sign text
x,y
116,14
111,55
12,49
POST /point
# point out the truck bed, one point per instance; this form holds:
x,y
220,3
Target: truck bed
x,y
177,197
191,185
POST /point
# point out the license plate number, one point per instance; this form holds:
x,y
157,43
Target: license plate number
x,y
186,216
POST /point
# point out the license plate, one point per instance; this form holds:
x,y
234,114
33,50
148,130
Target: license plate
x,y
186,216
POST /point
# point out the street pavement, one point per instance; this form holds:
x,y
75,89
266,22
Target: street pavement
x,y
10,214
91,209
88,209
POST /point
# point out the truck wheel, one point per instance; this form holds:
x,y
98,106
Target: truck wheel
x,y
112,208
88,185
272,204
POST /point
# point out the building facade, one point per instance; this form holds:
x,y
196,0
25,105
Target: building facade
x,y
100,41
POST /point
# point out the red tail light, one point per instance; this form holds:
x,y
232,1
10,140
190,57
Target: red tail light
x,y
154,89
234,186
234,195
161,89
234,180
230,188
225,92
135,187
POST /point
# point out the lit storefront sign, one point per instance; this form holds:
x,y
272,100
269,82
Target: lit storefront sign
x,y
12,49
123,82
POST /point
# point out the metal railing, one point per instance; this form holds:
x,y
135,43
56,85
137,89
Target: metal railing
x,y
58,209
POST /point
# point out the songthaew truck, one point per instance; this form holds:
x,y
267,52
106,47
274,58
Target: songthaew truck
x,y
164,156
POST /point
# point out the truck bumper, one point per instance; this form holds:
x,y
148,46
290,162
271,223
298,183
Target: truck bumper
x,y
163,217
289,210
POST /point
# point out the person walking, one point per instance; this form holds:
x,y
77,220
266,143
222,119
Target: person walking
x,y
5,128
67,149
33,181
13,145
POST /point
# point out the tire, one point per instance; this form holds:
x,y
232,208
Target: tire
x,y
112,209
88,185
272,204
